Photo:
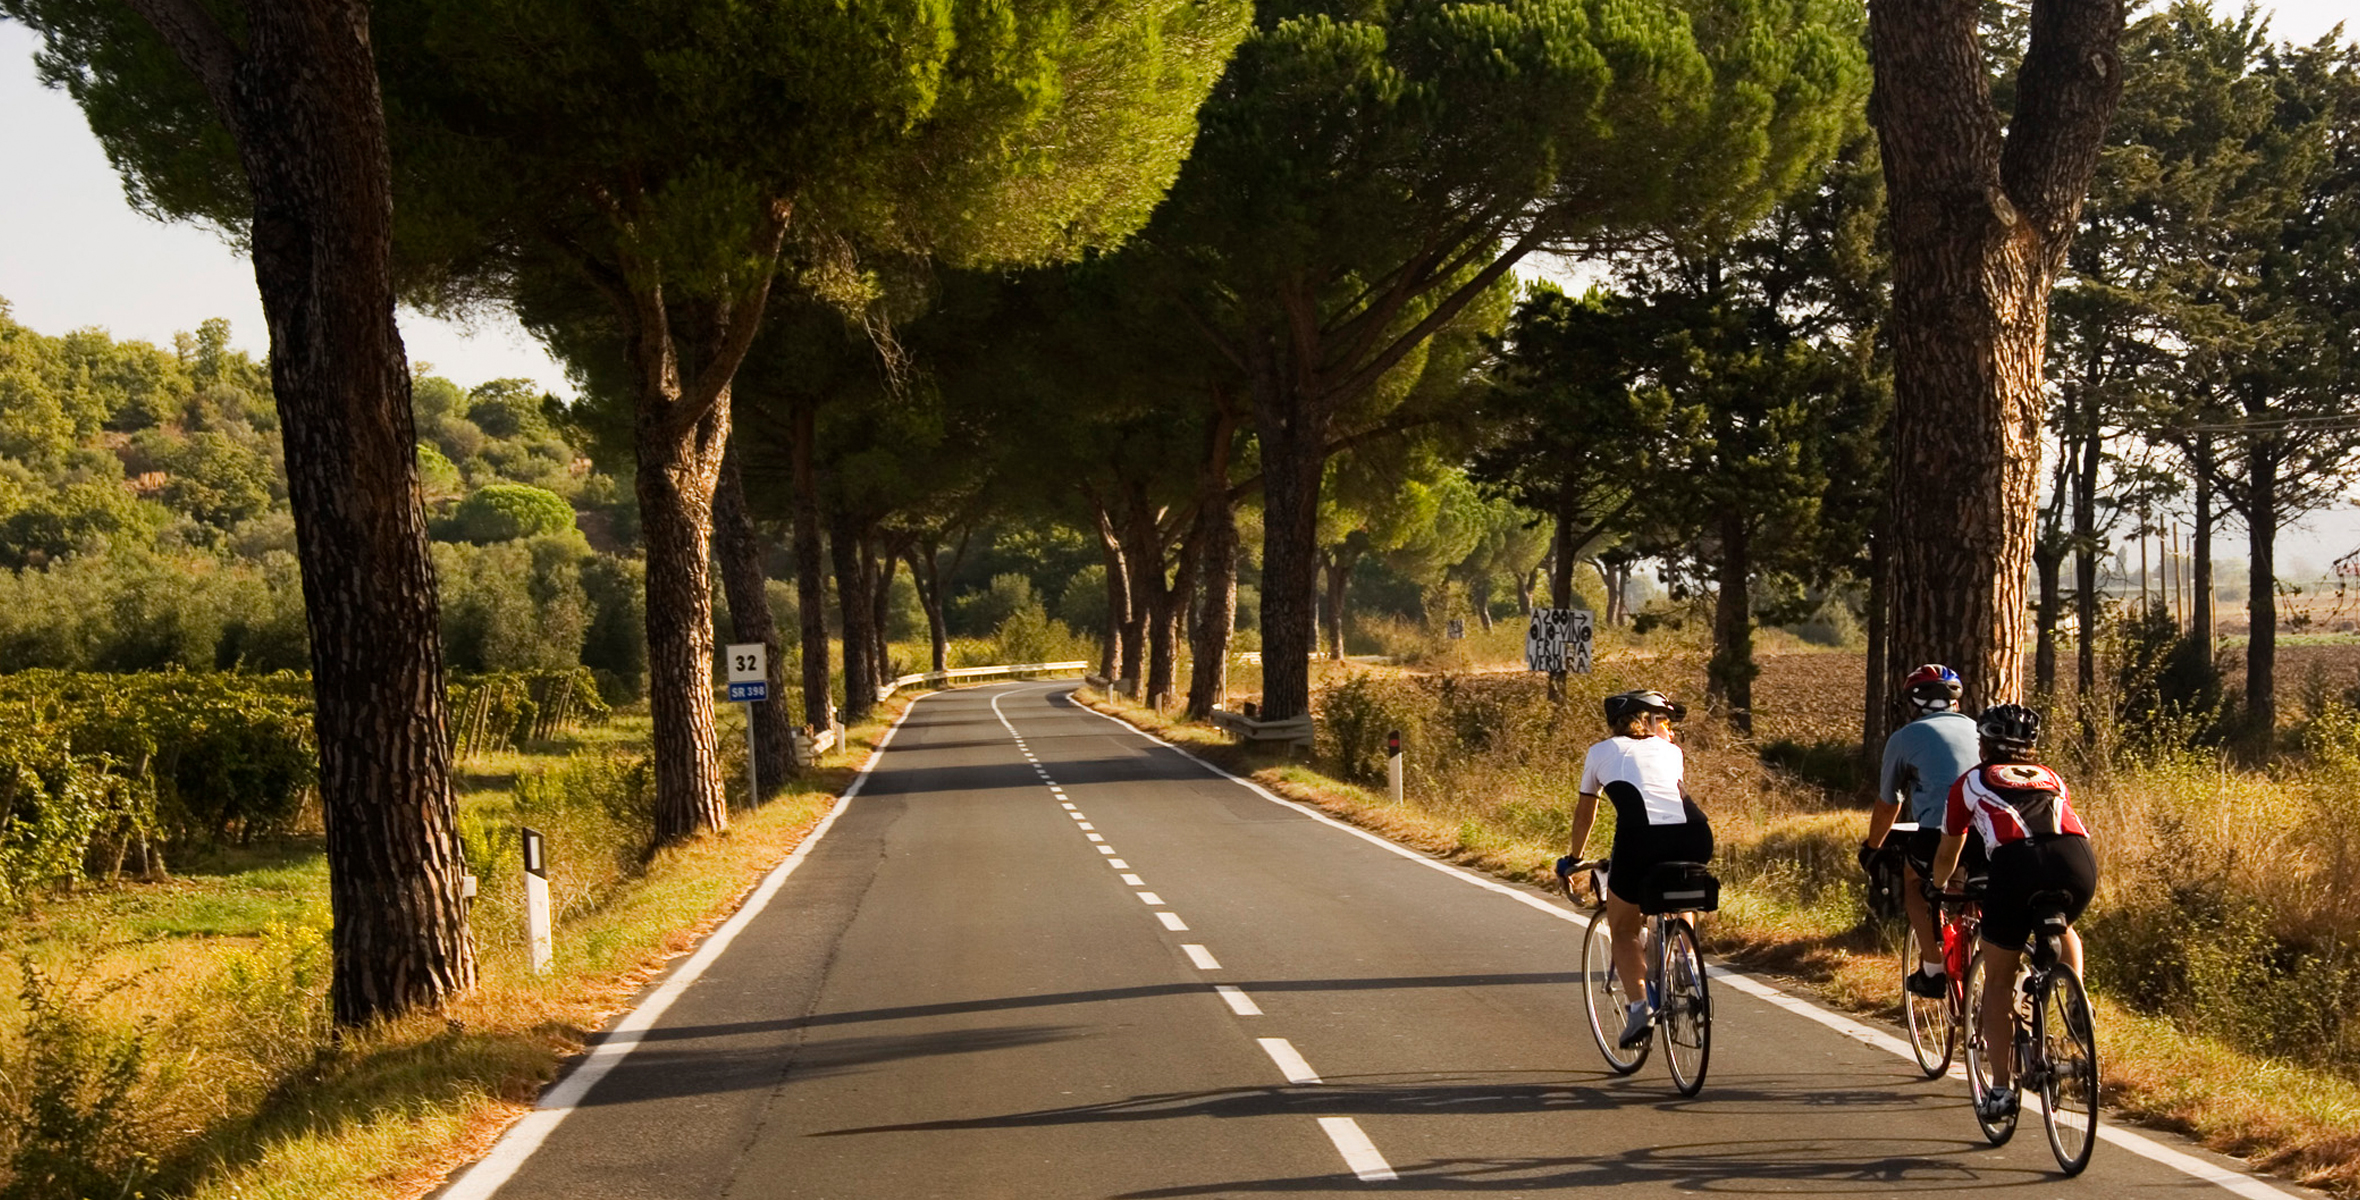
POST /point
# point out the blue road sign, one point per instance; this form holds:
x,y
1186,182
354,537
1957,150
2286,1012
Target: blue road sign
x,y
758,689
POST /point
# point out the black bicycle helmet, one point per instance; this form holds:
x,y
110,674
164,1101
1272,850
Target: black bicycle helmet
x,y
2011,727
1622,706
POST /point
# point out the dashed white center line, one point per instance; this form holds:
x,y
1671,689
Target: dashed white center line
x,y
1095,837
1172,921
1085,825
1116,863
1290,1064
1109,850
1359,1153
1067,807
1202,957
1077,816
1134,881
1239,1003
1150,898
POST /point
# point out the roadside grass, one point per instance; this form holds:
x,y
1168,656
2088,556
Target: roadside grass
x,y
218,978
1792,905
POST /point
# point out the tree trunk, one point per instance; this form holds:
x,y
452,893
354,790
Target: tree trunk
x,y
676,475
811,575
2048,557
1480,595
1216,618
746,586
1562,562
1730,674
1117,659
860,674
877,568
1980,225
926,576
1152,599
1876,709
2200,624
2261,645
1293,437
1525,583
1338,571
300,99
2085,560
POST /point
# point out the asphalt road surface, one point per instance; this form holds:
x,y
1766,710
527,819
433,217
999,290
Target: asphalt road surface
x,y
1039,954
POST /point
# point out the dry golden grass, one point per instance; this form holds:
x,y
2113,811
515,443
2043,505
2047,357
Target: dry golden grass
x,y
247,1096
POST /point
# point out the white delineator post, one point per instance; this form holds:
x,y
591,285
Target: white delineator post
x,y
536,900
1393,765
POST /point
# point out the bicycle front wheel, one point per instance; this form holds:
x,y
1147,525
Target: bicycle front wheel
x,y
1687,1017
1933,1025
2062,1028
1602,995
1997,1129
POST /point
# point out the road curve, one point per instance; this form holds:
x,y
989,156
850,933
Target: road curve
x,y
1039,954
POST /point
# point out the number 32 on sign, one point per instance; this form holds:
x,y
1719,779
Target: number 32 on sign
x,y
1558,641
749,671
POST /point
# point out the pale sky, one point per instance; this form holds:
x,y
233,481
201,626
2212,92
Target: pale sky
x,y
73,254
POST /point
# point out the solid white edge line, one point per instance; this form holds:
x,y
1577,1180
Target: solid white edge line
x,y
2137,1143
1239,1003
1202,957
561,1098
1359,1153
1172,921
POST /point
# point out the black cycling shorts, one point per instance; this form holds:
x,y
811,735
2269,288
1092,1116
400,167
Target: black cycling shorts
x,y
2049,862
1920,845
1639,849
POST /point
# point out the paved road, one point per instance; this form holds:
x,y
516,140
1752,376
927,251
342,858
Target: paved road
x,y
1040,955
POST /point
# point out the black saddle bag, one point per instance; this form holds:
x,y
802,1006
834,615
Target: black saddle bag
x,y
1677,887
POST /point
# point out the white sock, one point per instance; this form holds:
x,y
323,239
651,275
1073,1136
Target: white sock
x,y
1932,970
1638,1006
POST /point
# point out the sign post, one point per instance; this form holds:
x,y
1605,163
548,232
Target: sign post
x,y
536,900
749,684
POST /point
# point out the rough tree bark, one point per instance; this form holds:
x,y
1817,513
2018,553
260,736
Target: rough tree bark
x,y
300,99
1115,661
854,613
926,572
878,562
746,586
1980,225
1730,675
1216,614
811,575
1335,568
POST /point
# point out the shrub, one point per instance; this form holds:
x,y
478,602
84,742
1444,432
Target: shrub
x,y
1030,635
990,608
71,1113
503,512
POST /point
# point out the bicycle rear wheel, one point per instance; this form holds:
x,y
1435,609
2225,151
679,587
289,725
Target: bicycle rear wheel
x,y
2062,1028
1687,1017
1933,1027
1602,995
1996,1129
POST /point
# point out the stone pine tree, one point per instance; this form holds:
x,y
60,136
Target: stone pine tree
x,y
672,159
263,118
1365,174
1983,211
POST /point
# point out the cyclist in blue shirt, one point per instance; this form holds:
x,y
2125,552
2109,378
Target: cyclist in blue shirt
x,y
1922,760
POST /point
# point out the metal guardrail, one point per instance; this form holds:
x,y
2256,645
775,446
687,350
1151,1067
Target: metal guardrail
x,y
961,673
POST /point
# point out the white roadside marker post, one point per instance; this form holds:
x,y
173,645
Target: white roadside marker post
x,y
536,900
1393,765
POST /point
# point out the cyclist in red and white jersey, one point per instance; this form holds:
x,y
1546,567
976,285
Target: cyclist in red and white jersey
x,y
2037,843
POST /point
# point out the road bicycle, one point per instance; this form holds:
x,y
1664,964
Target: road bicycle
x,y
1680,1003
1934,1021
2054,1043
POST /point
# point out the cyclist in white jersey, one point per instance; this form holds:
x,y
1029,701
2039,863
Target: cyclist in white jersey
x,y
1641,771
